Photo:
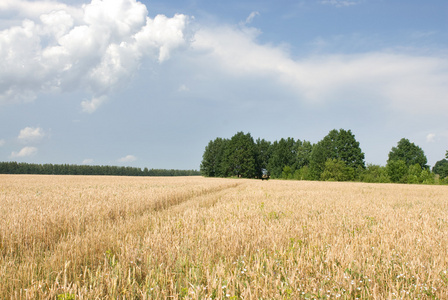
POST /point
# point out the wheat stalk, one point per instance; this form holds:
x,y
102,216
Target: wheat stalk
x,y
88,237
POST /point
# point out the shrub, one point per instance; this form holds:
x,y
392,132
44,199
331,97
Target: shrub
x,y
337,170
397,170
374,174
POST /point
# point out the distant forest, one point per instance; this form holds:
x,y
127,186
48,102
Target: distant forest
x,y
65,169
337,157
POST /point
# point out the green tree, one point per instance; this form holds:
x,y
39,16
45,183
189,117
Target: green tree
x,y
287,172
284,153
349,151
337,170
212,164
441,168
304,150
240,156
374,174
408,152
414,174
263,151
397,171
426,177
303,173
417,175
336,144
322,151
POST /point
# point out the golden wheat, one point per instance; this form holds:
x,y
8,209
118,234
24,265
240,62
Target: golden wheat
x,y
98,237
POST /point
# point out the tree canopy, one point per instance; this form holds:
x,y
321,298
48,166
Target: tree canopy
x,y
408,152
284,153
340,145
441,168
212,159
263,150
337,157
240,156
66,169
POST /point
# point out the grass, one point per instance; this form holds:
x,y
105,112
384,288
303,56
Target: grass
x,y
75,237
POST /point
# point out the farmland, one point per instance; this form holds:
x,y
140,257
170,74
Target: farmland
x,y
96,237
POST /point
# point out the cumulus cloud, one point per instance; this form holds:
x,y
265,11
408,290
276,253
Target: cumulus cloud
x,y
34,9
98,47
94,48
128,158
25,151
2,143
31,134
404,82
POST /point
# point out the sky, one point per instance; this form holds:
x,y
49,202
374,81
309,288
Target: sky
x,y
150,83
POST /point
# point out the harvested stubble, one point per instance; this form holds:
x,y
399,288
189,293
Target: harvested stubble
x,y
198,238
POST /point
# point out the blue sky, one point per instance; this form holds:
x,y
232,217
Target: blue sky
x,y
149,83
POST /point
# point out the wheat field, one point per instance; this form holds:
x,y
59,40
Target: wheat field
x,y
93,237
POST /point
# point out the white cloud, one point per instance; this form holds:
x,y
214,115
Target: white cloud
x,y
430,137
340,3
25,151
251,17
2,143
34,9
128,158
403,82
162,33
31,134
98,47
95,48
92,105
87,161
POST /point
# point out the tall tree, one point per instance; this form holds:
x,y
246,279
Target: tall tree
x,y
408,152
349,151
304,150
397,171
284,153
212,164
337,170
240,156
263,151
336,144
441,168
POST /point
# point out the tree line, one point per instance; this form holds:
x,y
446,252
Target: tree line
x,y
337,157
66,169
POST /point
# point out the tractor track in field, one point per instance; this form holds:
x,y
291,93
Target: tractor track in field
x,y
176,199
